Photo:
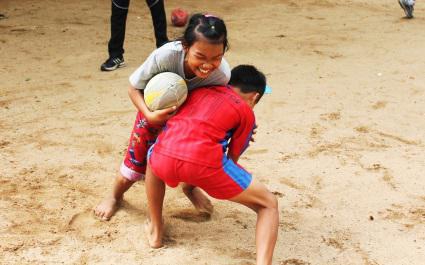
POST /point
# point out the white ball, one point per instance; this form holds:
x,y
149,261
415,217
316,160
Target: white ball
x,y
165,90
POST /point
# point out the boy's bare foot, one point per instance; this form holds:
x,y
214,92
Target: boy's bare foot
x,y
154,237
198,199
107,208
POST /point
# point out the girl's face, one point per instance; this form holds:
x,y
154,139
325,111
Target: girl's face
x,y
202,58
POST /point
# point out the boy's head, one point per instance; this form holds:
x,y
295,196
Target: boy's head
x,y
248,82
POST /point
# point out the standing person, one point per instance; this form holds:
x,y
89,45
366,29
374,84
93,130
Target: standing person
x,y
198,58
118,23
201,145
408,6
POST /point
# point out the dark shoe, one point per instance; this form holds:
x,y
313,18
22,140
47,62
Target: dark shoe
x,y
408,6
112,63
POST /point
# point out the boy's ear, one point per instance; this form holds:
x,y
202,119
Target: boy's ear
x,y
253,99
256,97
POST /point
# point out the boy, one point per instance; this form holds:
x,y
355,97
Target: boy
x,y
192,149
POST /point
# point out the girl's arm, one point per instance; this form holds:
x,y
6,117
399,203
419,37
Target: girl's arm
x,y
154,117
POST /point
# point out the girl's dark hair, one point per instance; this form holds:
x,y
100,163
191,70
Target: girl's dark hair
x,y
207,26
248,79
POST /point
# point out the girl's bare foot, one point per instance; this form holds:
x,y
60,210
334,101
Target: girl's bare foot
x,y
154,237
198,199
107,208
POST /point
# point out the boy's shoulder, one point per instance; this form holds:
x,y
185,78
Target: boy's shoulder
x,y
232,98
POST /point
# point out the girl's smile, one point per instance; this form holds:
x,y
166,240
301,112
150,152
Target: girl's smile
x,y
202,58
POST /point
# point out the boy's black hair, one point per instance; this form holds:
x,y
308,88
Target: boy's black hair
x,y
248,79
209,27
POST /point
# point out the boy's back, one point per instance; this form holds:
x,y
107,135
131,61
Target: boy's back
x,y
200,131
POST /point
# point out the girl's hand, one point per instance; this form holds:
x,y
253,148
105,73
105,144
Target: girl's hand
x,y
159,117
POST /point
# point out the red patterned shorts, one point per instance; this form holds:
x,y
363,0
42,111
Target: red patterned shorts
x,y
142,137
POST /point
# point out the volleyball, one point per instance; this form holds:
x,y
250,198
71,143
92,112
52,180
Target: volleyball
x,y
165,90
179,17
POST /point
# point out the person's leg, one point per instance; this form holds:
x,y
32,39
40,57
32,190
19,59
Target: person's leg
x,y
198,198
264,203
119,11
133,167
118,23
408,7
107,208
159,21
155,191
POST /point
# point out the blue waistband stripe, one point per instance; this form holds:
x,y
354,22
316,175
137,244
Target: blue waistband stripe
x,y
239,175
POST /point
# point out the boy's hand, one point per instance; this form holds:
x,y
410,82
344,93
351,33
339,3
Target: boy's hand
x,y
161,116
254,131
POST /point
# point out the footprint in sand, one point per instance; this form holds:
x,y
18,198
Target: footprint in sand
x,y
290,221
192,216
286,157
317,182
256,151
379,105
362,129
386,137
278,194
287,226
243,254
386,174
336,243
333,116
407,216
294,262
86,225
317,130
291,184
4,144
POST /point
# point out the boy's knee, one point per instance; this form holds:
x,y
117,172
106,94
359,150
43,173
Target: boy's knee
x,y
272,201
268,201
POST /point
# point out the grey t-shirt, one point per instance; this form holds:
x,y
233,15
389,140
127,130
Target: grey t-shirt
x,y
170,58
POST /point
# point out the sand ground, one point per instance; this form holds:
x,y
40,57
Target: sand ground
x,y
340,140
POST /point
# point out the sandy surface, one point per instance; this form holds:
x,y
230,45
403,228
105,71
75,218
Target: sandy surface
x,y
340,141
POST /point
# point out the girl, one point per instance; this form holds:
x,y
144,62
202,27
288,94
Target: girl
x,y
198,58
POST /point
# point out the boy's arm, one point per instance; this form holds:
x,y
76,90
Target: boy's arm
x,y
242,135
